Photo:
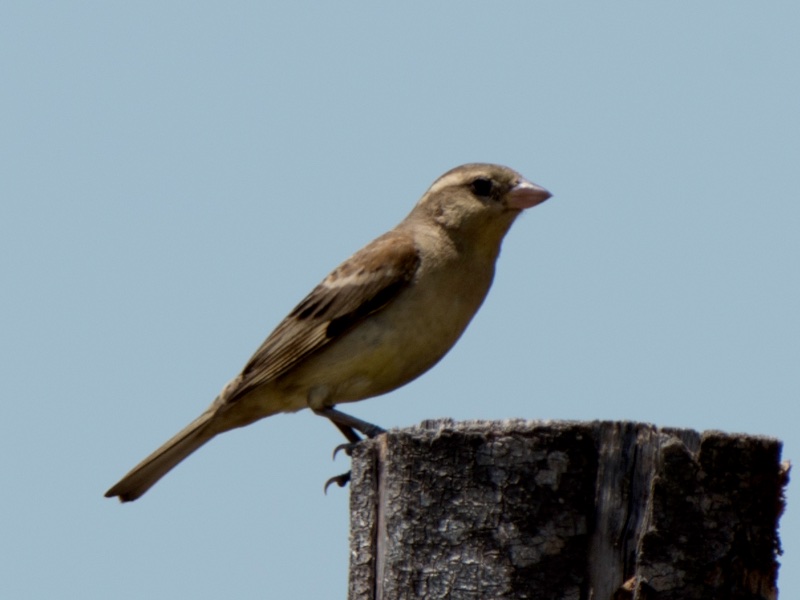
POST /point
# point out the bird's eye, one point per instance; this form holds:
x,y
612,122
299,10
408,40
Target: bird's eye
x,y
482,187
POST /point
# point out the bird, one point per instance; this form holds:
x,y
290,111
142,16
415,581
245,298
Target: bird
x,y
380,319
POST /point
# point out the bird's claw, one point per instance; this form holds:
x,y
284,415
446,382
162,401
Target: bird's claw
x,y
348,449
340,480
348,425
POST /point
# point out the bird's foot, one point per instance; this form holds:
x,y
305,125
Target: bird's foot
x,y
340,480
347,448
348,425
344,478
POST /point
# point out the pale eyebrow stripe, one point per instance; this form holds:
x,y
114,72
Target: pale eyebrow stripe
x,y
446,181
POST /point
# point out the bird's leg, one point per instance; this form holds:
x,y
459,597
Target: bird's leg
x,y
346,422
347,432
348,425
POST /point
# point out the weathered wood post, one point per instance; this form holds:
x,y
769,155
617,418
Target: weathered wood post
x,y
564,510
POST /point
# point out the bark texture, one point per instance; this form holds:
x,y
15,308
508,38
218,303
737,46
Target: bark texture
x,y
564,510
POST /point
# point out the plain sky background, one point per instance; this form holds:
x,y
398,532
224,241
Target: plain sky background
x,y
176,176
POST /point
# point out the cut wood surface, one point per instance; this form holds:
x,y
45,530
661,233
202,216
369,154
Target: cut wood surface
x,y
564,510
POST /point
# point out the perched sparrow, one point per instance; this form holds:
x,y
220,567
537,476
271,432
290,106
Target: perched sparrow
x,y
380,319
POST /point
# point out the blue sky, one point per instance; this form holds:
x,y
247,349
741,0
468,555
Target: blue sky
x,y
176,176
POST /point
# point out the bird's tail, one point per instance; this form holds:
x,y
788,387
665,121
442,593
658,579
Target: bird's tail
x,y
144,475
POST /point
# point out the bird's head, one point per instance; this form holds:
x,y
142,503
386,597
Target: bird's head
x,y
479,201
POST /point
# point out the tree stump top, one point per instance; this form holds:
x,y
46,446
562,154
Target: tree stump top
x,y
560,509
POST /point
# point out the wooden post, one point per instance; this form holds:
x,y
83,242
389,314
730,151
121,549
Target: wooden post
x,y
564,510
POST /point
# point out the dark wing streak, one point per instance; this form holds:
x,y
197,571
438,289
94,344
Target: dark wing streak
x,y
379,272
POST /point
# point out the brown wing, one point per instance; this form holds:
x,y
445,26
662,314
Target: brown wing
x,y
363,284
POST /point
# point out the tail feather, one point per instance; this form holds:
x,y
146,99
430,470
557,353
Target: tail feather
x,y
144,475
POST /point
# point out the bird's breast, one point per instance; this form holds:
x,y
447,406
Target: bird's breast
x,y
395,344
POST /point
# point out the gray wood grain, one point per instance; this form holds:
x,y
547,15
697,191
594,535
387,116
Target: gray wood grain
x,y
564,510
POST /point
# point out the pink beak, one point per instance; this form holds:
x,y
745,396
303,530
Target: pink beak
x,y
526,194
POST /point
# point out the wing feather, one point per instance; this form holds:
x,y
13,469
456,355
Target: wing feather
x,y
365,283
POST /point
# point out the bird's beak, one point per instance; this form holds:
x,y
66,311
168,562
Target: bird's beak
x,y
526,194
